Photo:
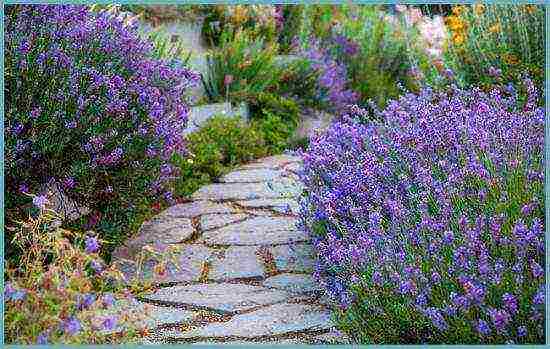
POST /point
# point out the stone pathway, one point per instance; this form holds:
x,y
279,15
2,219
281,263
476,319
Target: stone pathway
x,y
244,269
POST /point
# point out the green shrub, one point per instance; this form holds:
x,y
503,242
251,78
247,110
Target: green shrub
x,y
242,67
501,41
276,118
298,82
292,20
221,144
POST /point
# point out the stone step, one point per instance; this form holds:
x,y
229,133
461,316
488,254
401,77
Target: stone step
x,y
200,114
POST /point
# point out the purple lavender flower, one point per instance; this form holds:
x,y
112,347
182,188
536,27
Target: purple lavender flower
x,y
539,297
522,331
499,318
85,301
40,201
109,323
510,302
24,188
437,319
483,328
96,266
536,270
71,124
35,113
71,326
108,300
42,338
69,182
92,245
391,186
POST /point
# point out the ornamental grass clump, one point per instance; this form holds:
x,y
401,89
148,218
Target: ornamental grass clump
x,y
89,109
429,224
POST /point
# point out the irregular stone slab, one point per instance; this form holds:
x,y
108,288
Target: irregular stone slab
x,y
296,258
196,208
332,337
274,161
223,297
283,187
239,262
285,206
190,263
159,232
256,231
295,283
212,221
252,175
144,315
276,319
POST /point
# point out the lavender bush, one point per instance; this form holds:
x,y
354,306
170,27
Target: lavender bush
x,y
88,108
429,225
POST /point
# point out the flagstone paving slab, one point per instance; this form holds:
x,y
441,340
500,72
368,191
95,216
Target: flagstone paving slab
x,y
256,231
276,319
295,258
251,175
296,283
197,208
212,221
224,297
285,206
239,262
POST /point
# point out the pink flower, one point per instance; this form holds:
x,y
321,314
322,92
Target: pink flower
x,y
228,79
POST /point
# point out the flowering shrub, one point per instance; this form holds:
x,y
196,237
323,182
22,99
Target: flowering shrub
x,y
62,292
366,52
489,40
429,224
88,108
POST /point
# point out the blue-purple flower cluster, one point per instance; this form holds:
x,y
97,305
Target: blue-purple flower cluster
x,y
333,79
429,225
87,106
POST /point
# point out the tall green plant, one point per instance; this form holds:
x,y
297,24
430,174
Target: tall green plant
x,y
240,68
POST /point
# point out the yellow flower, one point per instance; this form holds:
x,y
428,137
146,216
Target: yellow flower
x,y
240,14
495,28
455,23
458,10
458,38
510,59
479,9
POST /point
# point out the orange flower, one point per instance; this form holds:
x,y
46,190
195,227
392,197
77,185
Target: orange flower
x,y
495,28
458,10
510,59
458,38
455,23
530,9
479,9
